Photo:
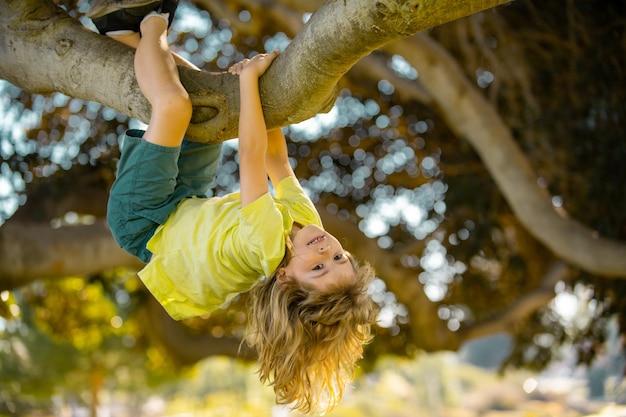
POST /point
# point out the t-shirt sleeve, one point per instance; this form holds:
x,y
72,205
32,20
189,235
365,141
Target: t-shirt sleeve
x,y
292,196
261,235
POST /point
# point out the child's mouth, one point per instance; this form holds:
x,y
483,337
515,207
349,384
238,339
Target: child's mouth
x,y
316,240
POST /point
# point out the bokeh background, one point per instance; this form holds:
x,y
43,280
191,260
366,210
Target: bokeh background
x,y
392,177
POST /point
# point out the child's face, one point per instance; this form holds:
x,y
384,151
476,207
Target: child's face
x,y
318,259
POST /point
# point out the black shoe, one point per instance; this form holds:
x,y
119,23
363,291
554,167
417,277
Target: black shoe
x,y
169,6
126,15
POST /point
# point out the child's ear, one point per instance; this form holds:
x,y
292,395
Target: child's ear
x,y
281,277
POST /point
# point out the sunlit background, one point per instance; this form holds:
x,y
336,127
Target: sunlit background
x,y
61,339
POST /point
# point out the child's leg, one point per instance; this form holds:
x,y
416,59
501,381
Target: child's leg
x,y
132,39
158,79
129,39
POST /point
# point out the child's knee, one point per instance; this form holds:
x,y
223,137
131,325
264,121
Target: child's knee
x,y
174,104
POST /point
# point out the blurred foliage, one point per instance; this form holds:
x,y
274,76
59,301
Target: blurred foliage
x,y
72,338
555,70
571,125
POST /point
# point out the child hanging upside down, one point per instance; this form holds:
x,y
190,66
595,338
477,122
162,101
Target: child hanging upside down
x,y
310,312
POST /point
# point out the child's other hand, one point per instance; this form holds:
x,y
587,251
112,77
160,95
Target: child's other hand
x,y
256,66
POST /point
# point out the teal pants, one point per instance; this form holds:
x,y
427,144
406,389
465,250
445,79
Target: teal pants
x,y
151,181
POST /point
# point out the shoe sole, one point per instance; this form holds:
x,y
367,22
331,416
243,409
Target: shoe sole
x,y
97,11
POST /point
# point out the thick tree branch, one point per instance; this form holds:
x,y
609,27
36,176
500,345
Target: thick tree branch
x,y
37,251
301,83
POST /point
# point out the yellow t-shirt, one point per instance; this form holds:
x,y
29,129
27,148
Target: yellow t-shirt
x,y
210,250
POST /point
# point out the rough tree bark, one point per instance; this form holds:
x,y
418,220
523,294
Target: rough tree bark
x,y
44,50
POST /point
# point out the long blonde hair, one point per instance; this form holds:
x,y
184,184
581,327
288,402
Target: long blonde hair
x,y
308,342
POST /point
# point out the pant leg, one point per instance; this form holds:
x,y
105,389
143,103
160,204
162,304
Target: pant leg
x,y
197,166
143,194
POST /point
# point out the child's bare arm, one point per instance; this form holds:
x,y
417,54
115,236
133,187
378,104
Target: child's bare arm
x,y
277,158
252,131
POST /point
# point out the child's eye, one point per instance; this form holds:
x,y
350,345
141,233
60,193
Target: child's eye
x,y
338,257
318,267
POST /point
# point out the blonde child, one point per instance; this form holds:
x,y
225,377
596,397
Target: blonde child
x,y
310,313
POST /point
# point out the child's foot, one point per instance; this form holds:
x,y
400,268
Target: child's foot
x,y
125,16
163,16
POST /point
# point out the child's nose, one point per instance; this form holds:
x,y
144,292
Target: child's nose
x,y
324,248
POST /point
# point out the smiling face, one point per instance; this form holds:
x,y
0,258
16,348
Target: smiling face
x,y
318,260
